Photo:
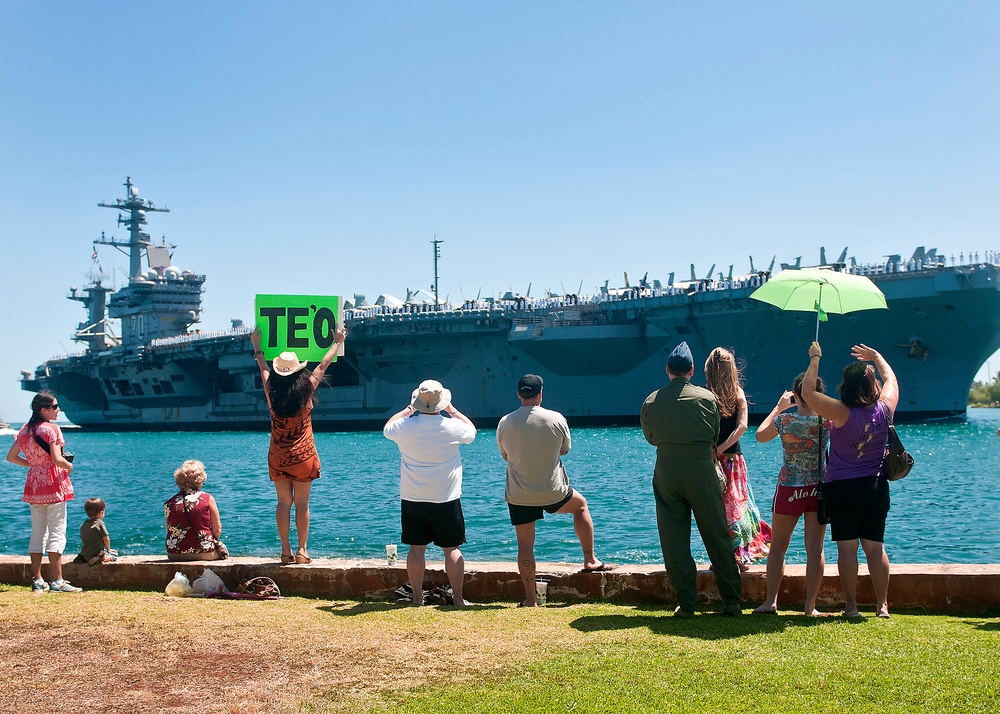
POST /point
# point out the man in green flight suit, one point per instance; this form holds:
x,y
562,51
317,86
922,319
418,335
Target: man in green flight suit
x,y
682,422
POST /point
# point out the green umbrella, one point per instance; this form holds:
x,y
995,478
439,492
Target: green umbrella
x,y
820,290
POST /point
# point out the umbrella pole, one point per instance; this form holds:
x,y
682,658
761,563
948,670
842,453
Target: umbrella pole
x,y
819,302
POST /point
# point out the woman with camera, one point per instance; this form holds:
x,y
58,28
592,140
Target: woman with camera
x,y
39,447
804,437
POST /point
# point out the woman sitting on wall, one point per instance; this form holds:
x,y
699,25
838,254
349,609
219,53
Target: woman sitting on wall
x,y
193,523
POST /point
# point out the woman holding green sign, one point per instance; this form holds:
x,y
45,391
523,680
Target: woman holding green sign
x,y
292,461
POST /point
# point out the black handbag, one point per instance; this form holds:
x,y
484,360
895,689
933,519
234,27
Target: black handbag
x,y
897,462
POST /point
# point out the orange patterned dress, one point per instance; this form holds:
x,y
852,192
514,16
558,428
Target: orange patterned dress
x,y
292,454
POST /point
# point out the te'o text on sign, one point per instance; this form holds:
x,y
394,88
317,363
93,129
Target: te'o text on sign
x,y
303,324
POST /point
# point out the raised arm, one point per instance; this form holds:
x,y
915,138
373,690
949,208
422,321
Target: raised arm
x,y
339,335
258,355
403,413
890,387
451,411
826,406
767,430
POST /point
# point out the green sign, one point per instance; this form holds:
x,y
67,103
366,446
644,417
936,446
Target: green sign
x,y
303,324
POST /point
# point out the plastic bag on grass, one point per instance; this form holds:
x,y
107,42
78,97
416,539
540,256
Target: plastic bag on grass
x,y
179,586
209,582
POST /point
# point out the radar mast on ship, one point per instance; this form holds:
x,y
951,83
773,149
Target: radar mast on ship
x,y
161,302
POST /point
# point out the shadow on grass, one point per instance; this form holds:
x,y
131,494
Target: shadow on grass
x,y
704,625
987,626
350,609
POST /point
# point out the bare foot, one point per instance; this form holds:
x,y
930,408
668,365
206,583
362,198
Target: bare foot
x,y
813,613
462,603
883,611
529,603
766,610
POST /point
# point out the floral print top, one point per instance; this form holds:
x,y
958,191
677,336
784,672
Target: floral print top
x,y
799,435
189,523
46,483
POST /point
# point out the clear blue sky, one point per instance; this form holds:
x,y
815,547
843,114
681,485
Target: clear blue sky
x,y
320,146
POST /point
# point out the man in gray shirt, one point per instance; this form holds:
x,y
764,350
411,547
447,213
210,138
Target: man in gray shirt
x,y
532,440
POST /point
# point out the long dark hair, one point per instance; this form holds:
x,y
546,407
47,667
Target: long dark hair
x,y
724,379
43,400
860,388
289,395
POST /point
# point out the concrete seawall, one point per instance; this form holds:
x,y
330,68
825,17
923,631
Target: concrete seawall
x,y
936,588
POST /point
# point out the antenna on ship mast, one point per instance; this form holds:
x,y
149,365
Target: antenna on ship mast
x,y
135,207
437,254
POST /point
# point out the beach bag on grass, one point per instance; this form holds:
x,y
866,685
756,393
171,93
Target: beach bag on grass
x,y
897,462
261,588
209,582
179,586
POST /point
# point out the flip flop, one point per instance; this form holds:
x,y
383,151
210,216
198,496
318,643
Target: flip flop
x,y
602,568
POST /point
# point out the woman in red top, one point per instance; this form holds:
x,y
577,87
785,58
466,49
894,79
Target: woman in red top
x,y
292,461
193,523
47,489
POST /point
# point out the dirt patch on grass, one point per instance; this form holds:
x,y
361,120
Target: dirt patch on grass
x,y
132,652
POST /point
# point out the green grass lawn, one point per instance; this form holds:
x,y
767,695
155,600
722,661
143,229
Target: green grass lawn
x,y
136,652
641,659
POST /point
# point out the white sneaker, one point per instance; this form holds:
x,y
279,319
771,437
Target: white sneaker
x,y
39,586
63,586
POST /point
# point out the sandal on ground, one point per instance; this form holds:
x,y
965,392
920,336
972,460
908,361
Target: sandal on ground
x,y
287,558
602,568
302,559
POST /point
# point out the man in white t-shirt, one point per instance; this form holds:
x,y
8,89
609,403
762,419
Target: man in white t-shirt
x,y
430,482
532,440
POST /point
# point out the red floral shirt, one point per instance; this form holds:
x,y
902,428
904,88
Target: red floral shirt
x,y
46,483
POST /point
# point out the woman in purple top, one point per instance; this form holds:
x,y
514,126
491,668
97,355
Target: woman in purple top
x,y
856,494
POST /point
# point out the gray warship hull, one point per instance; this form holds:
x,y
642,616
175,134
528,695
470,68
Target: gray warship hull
x,y
599,358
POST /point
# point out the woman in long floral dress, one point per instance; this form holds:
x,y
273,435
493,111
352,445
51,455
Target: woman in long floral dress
x,y
751,536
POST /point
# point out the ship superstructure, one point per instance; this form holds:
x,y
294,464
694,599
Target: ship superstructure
x,y
600,355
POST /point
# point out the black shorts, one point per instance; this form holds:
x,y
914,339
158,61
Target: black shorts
x,y
857,508
440,523
519,515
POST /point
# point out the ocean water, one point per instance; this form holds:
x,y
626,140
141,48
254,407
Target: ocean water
x,y
945,511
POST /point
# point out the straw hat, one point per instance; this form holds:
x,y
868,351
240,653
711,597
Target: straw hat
x,y
287,364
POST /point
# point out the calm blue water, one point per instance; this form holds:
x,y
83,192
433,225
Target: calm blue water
x,y
944,511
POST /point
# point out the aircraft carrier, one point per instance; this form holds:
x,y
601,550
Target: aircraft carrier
x,y
146,367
